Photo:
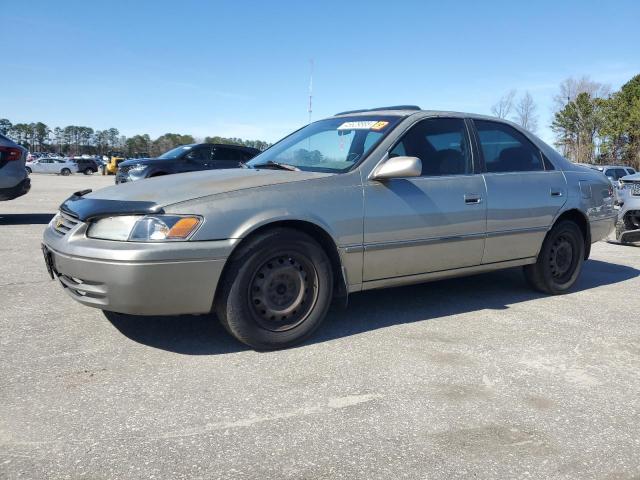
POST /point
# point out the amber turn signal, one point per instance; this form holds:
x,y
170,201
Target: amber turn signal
x,y
183,227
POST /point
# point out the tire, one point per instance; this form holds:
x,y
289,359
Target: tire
x,y
28,170
65,172
276,290
89,171
560,260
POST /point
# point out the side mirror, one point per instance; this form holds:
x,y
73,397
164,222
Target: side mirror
x,y
398,167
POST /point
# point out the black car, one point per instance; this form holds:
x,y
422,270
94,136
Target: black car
x,y
186,158
86,165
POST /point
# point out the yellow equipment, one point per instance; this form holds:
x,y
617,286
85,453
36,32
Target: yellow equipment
x,y
114,159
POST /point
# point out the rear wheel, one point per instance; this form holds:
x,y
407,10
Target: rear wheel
x,y
65,172
560,260
89,171
28,170
276,290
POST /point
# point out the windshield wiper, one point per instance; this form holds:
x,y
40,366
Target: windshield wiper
x,y
281,166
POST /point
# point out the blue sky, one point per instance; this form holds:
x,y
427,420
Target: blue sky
x,y
239,68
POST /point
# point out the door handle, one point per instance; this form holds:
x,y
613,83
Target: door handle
x,y
556,193
472,198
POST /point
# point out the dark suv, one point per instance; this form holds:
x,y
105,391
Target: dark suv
x,y
186,158
86,165
14,179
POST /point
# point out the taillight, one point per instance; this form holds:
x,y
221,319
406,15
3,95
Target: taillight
x,y
10,153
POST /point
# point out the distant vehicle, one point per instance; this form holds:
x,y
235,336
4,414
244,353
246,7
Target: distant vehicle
x,y
87,166
186,158
14,180
628,222
52,165
613,172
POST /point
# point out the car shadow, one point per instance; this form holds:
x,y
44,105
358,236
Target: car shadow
x,y
25,218
367,311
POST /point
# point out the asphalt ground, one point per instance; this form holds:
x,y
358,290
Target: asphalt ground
x,y
468,378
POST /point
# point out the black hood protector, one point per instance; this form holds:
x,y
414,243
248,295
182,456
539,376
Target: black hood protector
x,y
89,208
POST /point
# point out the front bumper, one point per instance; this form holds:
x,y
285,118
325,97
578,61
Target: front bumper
x,y
137,278
17,191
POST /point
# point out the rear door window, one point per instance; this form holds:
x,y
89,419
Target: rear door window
x,y
505,149
620,172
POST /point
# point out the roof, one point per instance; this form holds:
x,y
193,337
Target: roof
x,y
409,110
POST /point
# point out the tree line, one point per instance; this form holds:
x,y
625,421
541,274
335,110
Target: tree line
x,y
591,123
80,140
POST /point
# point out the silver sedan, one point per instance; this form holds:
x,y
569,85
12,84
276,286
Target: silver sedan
x,y
362,200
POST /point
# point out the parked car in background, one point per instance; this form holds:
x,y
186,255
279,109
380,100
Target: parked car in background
x,y
613,172
186,158
87,166
628,199
14,179
362,200
63,166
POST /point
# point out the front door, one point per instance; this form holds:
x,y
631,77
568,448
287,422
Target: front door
x,y
524,192
224,157
198,158
430,223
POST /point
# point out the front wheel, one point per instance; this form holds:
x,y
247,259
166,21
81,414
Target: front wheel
x,y
65,172
89,171
560,260
276,290
28,170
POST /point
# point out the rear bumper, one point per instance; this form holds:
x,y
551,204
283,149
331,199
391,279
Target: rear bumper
x,y
602,228
630,236
17,191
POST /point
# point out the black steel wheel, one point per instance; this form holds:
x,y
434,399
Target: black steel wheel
x,y
276,289
560,259
283,291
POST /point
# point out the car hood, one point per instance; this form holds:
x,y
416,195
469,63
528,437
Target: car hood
x,y
171,189
142,161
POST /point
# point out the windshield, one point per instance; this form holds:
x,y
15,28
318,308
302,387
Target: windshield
x,y
334,145
175,152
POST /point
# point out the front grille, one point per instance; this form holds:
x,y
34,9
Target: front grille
x,y
83,288
124,169
63,222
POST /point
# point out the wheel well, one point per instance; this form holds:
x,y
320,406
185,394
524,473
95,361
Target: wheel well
x,y
319,235
579,219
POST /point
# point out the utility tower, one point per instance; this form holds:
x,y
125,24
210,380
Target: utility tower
x,y
310,109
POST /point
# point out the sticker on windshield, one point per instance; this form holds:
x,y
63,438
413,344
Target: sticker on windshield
x,y
357,125
379,125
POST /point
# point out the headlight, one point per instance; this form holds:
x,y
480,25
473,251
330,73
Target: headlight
x,y
149,228
137,170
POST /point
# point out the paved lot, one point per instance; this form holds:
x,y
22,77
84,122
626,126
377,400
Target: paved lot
x,y
467,378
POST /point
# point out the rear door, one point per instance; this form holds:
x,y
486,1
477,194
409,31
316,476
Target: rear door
x,y
524,192
43,166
